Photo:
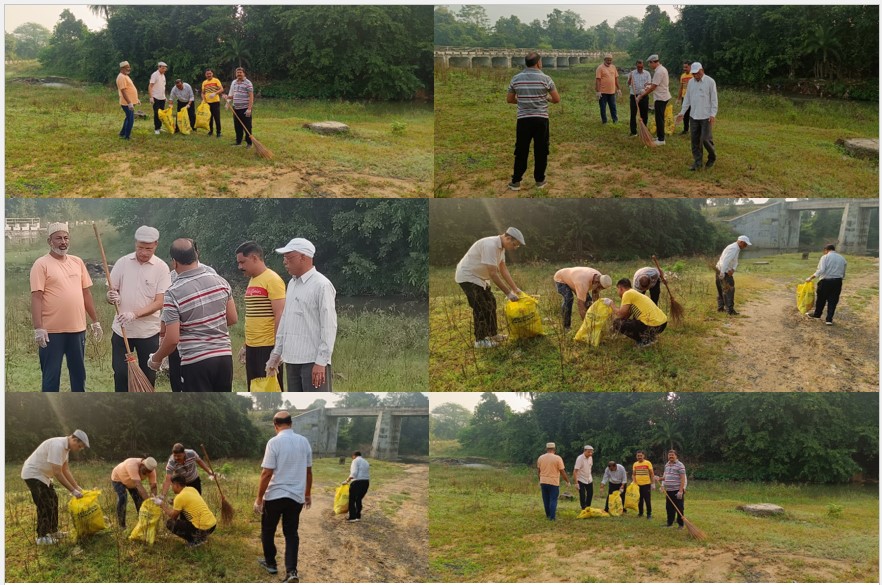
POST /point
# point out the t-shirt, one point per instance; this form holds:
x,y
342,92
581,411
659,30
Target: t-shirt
x,y
660,79
138,284
192,507
550,465
126,88
185,94
580,279
211,89
288,455
475,265
673,473
684,83
187,468
51,452
360,469
608,77
582,469
531,87
649,272
62,281
157,79
642,472
128,473
259,320
643,309
240,90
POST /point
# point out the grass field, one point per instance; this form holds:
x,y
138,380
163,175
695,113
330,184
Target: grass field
x,y
488,525
767,145
63,142
694,355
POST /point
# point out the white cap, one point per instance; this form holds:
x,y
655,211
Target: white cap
x,y
150,463
146,234
161,64
695,67
82,437
516,234
550,446
588,448
745,239
301,245
605,281
608,56
123,64
57,226
652,57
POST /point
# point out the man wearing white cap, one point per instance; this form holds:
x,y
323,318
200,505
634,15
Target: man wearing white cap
x,y
138,282
127,478
60,300
606,85
649,279
485,262
305,337
550,467
586,283
725,279
583,477
156,91
700,104
128,97
50,461
661,93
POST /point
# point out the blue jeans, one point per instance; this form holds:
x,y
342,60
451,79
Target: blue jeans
x,y
549,499
61,345
566,306
126,131
608,98
122,499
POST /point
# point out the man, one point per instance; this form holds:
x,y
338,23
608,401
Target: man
x,y
649,279
638,317
212,89
50,461
725,270
583,477
156,91
182,463
264,306
550,467
685,76
359,482
615,477
242,96
189,516
285,489
138,282
586,283
830,274
127,478
60,300
674,483
128,97
308,328
662,94
701,104
638,79
198,308
182,95
606,84
485,261
531,90
643,476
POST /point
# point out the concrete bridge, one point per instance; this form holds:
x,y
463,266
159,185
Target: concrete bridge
x,y
320,427
469,57
777,226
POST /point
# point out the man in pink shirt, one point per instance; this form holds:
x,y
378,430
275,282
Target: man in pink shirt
x,y
586,283
550,466
127,478
606,85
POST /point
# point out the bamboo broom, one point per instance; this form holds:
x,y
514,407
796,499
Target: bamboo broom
x,y
694,531
227,511
137,379
645,136
677,310
261,150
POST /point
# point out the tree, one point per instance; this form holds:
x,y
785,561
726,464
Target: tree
x,y
448,420
267,400
63,50
823,45
626,30
474,14
30,39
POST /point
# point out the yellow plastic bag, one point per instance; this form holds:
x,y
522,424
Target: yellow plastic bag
x,y
592,513
148,522
184,122
595,320
632,497
267,384
87,515
167,118
203,116
341,499
805,296
523,318
614,503
669,120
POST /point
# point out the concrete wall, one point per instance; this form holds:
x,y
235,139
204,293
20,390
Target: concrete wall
x,y
320,427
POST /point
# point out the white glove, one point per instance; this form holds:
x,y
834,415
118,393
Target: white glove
x,y
258,507
248,113
151,99
97,332
599,95
512,296
242,355
113,296
125,318
272,365
41,336
151,364
618,93
607,302
157,500
77,494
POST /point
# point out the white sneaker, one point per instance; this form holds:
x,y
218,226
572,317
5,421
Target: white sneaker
x,y
499,338
47,540
156,132
485,343
659,142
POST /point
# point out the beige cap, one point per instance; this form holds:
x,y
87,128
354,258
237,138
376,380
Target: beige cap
x,y
57,226
124,64
605,281
150,463
146,234
550,446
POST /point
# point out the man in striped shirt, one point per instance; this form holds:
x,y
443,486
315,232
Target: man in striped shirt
x,y
197,309
674,483
183,462
242,96
531,90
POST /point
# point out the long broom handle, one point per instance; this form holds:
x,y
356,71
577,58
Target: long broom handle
x,y
675,505
661,275
232,109
107,276
208,461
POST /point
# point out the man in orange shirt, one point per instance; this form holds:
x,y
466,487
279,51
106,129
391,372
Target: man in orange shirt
x,y
549,467
684,83
128,97
606,84
128,477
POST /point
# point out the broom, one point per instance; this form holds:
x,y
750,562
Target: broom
x,y
137,379
645,136
694,531
227,511
676,308
261,150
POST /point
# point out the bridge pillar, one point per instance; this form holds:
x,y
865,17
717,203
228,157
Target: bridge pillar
x,y
387,435
465,62
563,61
501,62
441,61
519,62
482,62
574,61
854,229
549,62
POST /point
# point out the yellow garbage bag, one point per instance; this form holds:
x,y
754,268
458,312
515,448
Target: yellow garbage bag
x,y
632,497
669,120
149,517
184,122
592,513
523,318
203,116
167,118
614,503
87,515
341,499
266,384
595,320
805,296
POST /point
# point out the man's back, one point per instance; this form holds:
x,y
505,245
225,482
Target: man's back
x,y
532,87
288,455
198,299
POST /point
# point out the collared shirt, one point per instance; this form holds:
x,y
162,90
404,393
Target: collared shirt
x,y
550,465
54,451
359,469
128,473
620,475
475,266
701,96
649,272
608,76
240,90
138,284
289,455
260,320
211,90
580,279
188,468
157,80
673,473
582,469
184,94
61,280
660,79
531,87
642,472
831,265
308,328
638,81
128,94
729,258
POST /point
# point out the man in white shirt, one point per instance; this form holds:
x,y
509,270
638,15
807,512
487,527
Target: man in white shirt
x,y
582,475
700,103
359,482
156,91
830,274
725,280
305,337
662,94
617,477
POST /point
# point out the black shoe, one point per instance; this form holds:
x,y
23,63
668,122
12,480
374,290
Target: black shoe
x,y
248,145
649,516
710,163
640,515
218,134
211,132
684,132
291,577
733,312
721,309
271,569
695,167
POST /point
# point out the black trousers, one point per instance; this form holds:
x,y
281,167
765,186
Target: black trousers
x,y
157,105
191,114
702,137
357,490
828,292
215,121
686,120
586,494
241,122
182,527
196,484
660,107
637,330
211,375
300,378
643,108
655,292
47,506
613,489
483,305
255,364
645,496
725,291
288,511
533,130
143,347
174,371
672,504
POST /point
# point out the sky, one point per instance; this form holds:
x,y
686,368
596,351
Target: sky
x,y
47,15
301,400
592,14
471,399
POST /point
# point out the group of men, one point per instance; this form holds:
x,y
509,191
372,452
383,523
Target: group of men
x,y
180,320
550,467
532,90
240,97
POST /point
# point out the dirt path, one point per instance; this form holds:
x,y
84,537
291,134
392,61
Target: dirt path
x,y
771,347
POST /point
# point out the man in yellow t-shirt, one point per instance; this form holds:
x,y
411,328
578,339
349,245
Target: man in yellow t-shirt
x,y
684,83
550,466
212,89
643,476
264,304
638,317
189,516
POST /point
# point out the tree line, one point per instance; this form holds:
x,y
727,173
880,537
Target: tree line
x,y
786,437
